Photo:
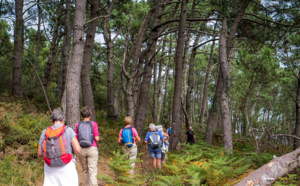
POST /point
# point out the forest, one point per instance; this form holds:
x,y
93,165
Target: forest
x,y
228,68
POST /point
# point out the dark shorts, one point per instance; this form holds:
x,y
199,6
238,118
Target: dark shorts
x,y
155,153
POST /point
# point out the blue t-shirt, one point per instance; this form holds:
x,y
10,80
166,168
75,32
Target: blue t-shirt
x,y
148,134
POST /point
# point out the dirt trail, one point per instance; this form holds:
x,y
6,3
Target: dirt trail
x,y
103,167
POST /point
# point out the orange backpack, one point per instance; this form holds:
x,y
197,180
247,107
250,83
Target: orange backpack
x,y
56,151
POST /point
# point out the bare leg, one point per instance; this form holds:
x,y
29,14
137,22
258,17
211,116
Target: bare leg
x,y
154,163
158,161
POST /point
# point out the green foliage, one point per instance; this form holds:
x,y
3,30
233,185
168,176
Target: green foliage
x,y
15,172
121,167
291,180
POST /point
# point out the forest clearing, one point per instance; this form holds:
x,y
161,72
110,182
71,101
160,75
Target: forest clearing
x,y
161,92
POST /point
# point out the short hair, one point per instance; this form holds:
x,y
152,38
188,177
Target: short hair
x,y
57,115
127,120
152,126
190,127
86,112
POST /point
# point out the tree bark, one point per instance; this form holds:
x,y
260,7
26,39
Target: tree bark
x,y
131,89
53,52
176,126
18,50
297,124
214,110
143,98
165,104
38,41
110,60
87,91
157,84
203,101
74,68
272,171
226,119
65,49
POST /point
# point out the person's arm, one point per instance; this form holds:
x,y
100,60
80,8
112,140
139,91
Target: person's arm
x,y
95,131
39,152
120,141
147,137
75,145
194,137
166,135
138,139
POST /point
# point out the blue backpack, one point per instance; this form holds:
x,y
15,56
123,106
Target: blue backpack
x,y
127,136
169,131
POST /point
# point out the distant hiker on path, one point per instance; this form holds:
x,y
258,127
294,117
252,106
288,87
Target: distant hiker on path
x,y
128,137
56,145
165,143
170,130
88,135
190,136
155,139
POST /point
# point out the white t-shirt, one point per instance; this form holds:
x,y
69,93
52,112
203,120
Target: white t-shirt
x,y
65,175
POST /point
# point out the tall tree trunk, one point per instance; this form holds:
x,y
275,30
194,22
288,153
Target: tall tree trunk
x,y
74,67
165,104
143,98
157,83
297,124
214,110
226,119
38,41
65,49
255,101
18,50
203,101
110,60
87,91
131,89
53,51
176,126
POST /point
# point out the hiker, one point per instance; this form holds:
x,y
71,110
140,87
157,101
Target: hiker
x,y
190,136
170,130
128,137
88,136
155,144
56,145
164,148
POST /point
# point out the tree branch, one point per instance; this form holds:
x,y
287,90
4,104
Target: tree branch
x,y
293,99
40,84
288,135
95,19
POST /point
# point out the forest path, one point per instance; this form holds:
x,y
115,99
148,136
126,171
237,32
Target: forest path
x,y
103,166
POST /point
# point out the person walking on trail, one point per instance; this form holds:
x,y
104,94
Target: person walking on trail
x,y
165,143
155,139
88,136
56,145
190,136
170,131
128,137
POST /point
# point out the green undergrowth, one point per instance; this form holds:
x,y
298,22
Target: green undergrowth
x,y
197,164
21,124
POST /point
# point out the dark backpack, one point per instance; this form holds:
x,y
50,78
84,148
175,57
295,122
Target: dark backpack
x,y
155,141
55,148
127,137
85,134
